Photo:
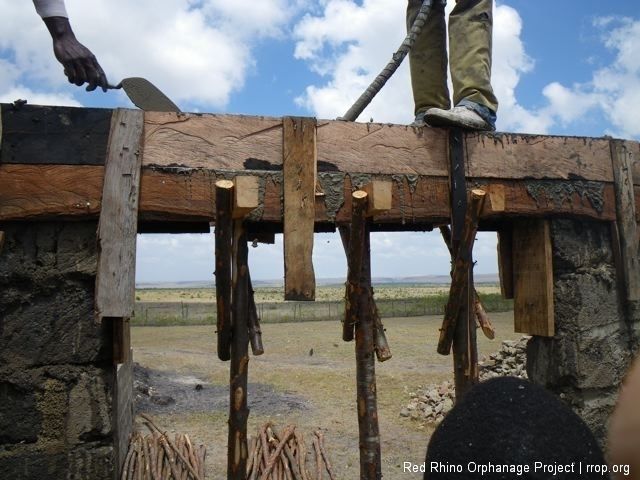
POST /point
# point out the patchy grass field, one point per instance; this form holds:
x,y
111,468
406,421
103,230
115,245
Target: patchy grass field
x,y
325,379
163,307
323,294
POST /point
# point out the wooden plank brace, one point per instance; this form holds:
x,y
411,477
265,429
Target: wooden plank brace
x,y
300,170
117,228
533,305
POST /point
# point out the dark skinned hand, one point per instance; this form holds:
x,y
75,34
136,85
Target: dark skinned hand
x,y
80,65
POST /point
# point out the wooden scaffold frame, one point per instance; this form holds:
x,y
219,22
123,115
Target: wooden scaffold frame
x,y
255,176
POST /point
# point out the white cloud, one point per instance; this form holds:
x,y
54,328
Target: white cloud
x,y
510,63
348,44
20,92
612,93
198,52
617,86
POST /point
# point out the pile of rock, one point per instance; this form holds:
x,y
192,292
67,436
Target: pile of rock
x,y
430,403
509,361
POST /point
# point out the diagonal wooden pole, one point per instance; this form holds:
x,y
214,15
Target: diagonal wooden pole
x,y
397,58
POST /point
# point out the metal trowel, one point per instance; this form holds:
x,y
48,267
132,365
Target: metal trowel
x,y
145,95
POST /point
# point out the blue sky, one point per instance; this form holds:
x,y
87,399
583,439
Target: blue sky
x,y
565,67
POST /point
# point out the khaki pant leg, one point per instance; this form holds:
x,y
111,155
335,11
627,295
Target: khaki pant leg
x,y
470,44
428,59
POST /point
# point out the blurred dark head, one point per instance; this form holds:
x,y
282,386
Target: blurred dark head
x,y
510,421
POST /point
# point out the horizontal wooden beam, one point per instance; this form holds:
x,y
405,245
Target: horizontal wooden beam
x,y
184,154
32,191
46,191
54,135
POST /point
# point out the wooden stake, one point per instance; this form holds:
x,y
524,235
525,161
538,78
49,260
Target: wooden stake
x,y
237,452
355,256
361,313
223,239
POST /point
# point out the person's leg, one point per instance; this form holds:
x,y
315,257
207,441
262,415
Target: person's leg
x,y
470,45
428,59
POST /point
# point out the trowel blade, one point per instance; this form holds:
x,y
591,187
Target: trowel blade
x,y
146,96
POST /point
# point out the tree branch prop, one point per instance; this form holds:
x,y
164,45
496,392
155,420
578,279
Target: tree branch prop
x,y
482,319
460,274
255,332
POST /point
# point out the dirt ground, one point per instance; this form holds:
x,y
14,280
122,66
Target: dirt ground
x,y
306,377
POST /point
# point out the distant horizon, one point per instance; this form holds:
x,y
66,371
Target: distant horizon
x,y
326,281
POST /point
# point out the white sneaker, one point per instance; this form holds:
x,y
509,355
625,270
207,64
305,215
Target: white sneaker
x,y
461,116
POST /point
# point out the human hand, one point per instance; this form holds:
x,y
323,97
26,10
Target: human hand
x,y
80,64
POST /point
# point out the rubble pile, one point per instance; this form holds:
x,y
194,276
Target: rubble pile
x,y
429,404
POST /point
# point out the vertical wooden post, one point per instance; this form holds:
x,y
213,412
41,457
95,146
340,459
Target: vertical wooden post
x,y
237,452
223,239
627,226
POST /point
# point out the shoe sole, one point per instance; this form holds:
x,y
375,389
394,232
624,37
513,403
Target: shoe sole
x,y
439,121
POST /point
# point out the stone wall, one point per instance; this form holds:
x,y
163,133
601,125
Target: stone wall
x,y
594,342
56,374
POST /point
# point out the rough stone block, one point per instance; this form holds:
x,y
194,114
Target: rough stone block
x,y
583,301
596,360
597,411
581,245
18,402
47,280
602,360
28,462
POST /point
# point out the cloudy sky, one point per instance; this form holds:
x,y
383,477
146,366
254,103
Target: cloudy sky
x,y
566,67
